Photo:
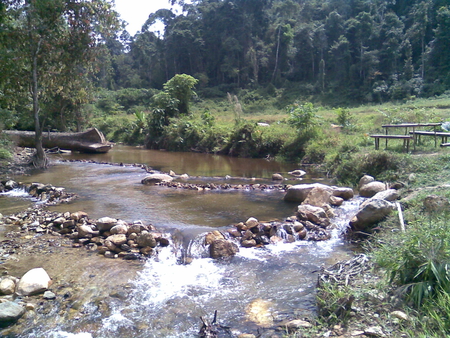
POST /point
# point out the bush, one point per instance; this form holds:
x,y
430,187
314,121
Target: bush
x,y
348,166
419,260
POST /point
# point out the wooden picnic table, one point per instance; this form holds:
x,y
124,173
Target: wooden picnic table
x,y
413,126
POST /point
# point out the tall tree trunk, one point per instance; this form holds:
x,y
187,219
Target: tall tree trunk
x,y
39,159
277,54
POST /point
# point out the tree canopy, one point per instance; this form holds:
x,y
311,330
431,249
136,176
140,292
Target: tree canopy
x,y
364,50
48,50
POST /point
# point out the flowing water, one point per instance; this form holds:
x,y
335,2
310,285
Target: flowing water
x,y
257,289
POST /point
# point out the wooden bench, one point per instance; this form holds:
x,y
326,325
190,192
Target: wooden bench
x,y
444,135
406,139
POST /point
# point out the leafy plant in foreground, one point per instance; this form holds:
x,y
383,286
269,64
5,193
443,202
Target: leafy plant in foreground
x,y
419,260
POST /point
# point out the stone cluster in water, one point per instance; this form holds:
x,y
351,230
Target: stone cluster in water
x,y
108,236
46,193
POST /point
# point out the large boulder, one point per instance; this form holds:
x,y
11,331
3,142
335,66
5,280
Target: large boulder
x,y
10,312
222,248
156,178
319,196
372,212
388,195
372,188
299,192
33,282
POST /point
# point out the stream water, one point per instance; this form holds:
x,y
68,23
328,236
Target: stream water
x,y
257,289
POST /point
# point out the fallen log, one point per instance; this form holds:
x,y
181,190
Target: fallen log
x,y
90,141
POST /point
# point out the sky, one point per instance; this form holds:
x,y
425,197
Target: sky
x,y
136,12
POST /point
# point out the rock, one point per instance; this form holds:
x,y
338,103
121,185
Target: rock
x,y
77,216
246,335
117,239
342,192
319,196
365,180
370,189
105,223
10,311
400,315
172,173
251,223
435,204
7,286
120,228
33,282
84,231
297,173
212,236
134,228
156,178
295,325
336,201
49,295
312,213
388,195
222,248
374,331
249,243
372,212
146,239
277,177
10,185
299,192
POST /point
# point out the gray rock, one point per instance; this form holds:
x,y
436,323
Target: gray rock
x,y
312,213
365,180
10,311
388,195
277,177
84,231
49,295
157,178
319,196
370,189
343,192
120,228
297,173
118,239
7,286
146,239
251,223
372,212
106,223
33,282
222,248
299,192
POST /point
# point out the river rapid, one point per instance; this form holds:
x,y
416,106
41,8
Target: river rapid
x,y
253,293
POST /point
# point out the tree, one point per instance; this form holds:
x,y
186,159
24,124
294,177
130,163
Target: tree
x,y
55,45
180,87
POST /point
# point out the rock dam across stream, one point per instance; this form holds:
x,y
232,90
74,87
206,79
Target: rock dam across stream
x,y
255,292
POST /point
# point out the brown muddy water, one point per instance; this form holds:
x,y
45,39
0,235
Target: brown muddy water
x,y
253,292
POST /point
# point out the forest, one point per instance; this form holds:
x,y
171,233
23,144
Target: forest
x,y
356,50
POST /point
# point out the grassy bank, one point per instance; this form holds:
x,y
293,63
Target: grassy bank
x,y
403,289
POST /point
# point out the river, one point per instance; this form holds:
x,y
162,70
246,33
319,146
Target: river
x,y
257,289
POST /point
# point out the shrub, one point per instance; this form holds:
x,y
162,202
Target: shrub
x,y
419,260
